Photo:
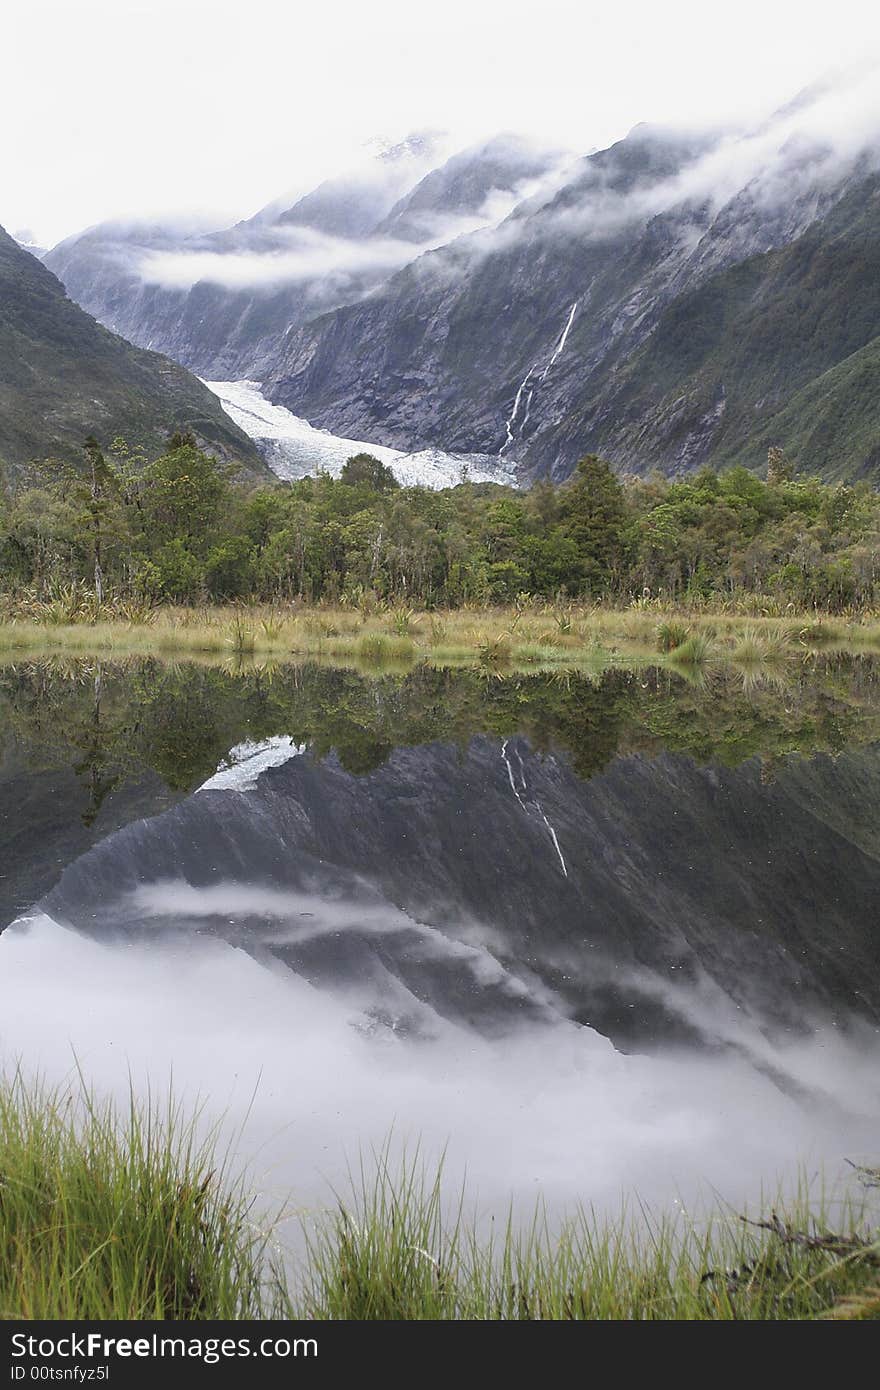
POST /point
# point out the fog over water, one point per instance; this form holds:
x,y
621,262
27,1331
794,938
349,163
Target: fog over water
x,y
327,957
554,1109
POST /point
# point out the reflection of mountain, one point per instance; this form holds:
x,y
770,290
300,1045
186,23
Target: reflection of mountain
x,y
658,901
82,756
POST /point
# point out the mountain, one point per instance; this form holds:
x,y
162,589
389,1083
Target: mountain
x,y
652,310
220,303
780,348
25,239
678,299
353,204
479,184
489,885
217,301
63,376
482,333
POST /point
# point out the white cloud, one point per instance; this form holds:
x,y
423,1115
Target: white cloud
x,y
293,255
123,108
315,256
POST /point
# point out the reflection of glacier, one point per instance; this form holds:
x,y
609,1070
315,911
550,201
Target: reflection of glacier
x,y
295,449
243,764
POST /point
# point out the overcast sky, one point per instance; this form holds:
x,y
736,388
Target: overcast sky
x,y
125,108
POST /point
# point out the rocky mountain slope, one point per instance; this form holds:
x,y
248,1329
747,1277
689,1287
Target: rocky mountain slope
x,y
641,313
63,376
220,303
675,300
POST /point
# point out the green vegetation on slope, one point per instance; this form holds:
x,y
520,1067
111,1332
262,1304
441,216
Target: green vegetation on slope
x,y
832,425
748,359
63,377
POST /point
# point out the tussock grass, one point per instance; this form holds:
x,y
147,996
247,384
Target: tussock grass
x,y
511,635
671,633
749,650
103,1216
380,647
393,1251
693,651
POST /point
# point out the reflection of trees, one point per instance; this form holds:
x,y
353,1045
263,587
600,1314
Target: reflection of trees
x,y
61,710
99,764
111,721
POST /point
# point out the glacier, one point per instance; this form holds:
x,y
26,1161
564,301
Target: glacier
x,y
295,449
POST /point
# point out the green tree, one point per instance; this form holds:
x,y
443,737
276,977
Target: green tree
x,y
594,516
370,471
183,496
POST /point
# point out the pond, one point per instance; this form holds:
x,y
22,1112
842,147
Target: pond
x,y
587,935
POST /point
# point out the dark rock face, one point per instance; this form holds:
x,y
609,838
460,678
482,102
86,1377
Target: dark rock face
x,y
48,819
659,901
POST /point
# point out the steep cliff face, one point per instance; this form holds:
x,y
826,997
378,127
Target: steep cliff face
x,y
626,316
776,349
658,901
222,303
479,340
63,377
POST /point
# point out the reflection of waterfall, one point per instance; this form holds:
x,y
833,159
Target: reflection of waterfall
x,y
511,420
367,886
525,805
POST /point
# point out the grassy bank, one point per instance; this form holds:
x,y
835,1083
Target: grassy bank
x,y
533,635
131,1217
108,1216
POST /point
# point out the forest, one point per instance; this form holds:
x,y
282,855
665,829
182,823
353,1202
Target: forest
x,y
180,528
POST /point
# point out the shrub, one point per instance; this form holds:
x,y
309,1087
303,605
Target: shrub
x,y
671,634
694,651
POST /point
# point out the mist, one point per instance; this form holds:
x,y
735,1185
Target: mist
x,y
300,255
809,144
274,99
293,254
312,1079
322,959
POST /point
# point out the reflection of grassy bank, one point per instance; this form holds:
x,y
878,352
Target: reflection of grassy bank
x,y
117,717
107,1221
531,635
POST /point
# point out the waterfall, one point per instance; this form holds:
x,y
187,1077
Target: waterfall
x,y
560,346
511,420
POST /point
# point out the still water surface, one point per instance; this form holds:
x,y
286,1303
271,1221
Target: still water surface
x,y
589,935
